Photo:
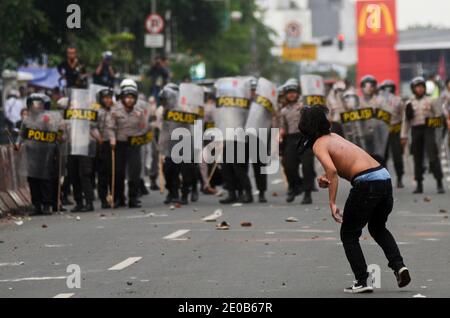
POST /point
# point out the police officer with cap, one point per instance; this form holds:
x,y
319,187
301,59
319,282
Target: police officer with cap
x,y
125,126
420,117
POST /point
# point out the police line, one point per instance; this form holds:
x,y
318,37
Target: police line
x,y
14,191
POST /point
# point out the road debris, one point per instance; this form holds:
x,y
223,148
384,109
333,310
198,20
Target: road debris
x,y
291,220
213,217
237,205
223,226
427,199
246,224
44,226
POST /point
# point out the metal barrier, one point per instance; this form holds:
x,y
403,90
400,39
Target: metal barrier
x,y
14,191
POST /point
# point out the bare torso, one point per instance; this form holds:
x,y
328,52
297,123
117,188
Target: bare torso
x,y
348,158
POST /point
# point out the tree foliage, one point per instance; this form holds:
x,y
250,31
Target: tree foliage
x,y
202,31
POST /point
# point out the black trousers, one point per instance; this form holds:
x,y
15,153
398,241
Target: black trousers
x,y
104,170
41,192
80,174
260,179
235,174
128,166
369,203
173,171
395,149
258,161
292,163
424,140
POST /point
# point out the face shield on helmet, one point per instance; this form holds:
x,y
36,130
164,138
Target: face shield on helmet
x,y
38,103
168,94
129,93
416,83
388,86
351,99
105,97
291,90
369,85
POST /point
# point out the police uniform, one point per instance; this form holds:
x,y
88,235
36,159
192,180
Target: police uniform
x,y
417,119
38,138
82,147
395,107
104,158
175,116
125,130
336,106
289,120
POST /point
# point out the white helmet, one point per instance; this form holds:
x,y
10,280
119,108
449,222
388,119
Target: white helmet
x,y
128,86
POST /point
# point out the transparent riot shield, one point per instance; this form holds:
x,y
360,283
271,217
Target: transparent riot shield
x,y
80,118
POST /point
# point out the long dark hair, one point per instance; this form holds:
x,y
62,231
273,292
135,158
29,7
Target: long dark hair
x,y
313,125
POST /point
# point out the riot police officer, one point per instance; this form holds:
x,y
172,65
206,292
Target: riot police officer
x,y
336,105
290,118
125,126
182,106
423,117
375,130
394,105
233,103
260,119
38,140
81,118
104,152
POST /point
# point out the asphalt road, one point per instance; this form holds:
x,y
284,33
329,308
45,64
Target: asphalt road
x,y
159,252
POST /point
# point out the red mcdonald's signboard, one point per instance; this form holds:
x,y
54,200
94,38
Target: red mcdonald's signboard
x,y
377,38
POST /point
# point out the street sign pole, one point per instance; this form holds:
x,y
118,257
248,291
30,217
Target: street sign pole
x,y
154,8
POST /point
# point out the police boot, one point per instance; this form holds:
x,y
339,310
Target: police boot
x,y
230,199
168,199
61,209
440,187
65,201
46,210
419,189
134,204
119,204
246,197
292,194
194,195
143,188
78,208
184,199
400,184
36,211
153,185
89,207
105,205
262,197
307,199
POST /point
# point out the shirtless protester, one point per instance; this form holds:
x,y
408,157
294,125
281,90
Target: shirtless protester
x,y
370,200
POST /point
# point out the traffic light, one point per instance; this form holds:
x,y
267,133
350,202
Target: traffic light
x,y
341,42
